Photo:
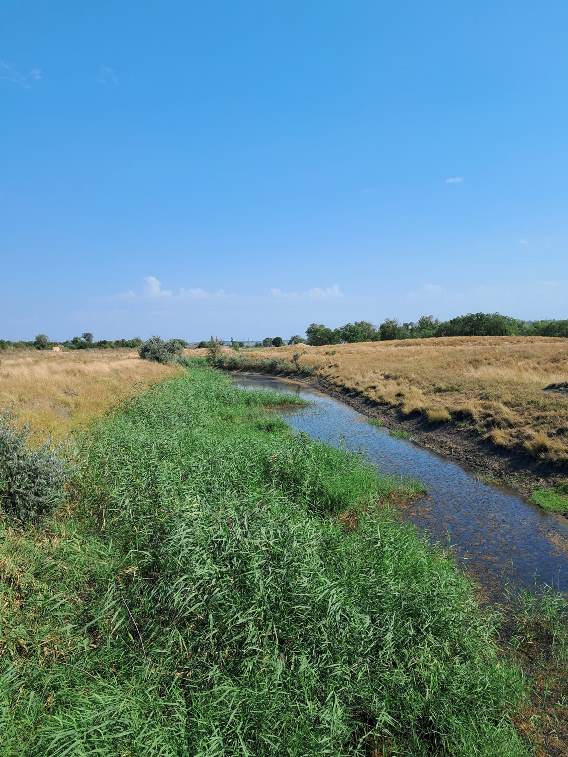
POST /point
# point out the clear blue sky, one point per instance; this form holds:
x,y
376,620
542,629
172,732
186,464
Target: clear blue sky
x,y
245,168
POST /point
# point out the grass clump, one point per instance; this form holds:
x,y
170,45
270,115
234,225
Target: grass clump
x,y
221,607
32,481
538,638
554,500
400,434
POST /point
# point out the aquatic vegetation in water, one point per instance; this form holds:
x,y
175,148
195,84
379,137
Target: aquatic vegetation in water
x,y
555,499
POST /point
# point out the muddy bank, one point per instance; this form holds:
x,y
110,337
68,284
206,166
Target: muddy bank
x,y
459,442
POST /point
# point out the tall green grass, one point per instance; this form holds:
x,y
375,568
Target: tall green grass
x,y
204,598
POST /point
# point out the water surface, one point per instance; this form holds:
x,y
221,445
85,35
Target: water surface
x,y
495,534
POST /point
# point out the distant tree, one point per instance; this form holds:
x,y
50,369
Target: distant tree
x,y
277,341
296,339
546,328
267,342
87,337
360,331
319,334
425,326
480,324
41,342
390,329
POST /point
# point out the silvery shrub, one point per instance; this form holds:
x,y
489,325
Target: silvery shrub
x,y
32,481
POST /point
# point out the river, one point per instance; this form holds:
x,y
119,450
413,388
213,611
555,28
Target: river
x,y
505,542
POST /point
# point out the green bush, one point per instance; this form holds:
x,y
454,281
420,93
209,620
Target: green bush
x,y
161,351
32,482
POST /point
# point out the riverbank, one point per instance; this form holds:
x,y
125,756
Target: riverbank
x,y
218,584
457,438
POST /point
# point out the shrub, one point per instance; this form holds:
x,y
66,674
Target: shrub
x,y
31,481
214,350
41,342
161,351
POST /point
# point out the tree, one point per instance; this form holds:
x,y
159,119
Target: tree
x,y
277,341
87,336
267,342
41,342
390,329
296,339
426,326
480,324
360,331
319,334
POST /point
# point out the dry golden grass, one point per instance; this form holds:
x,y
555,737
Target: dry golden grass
x,y
494,383
58,392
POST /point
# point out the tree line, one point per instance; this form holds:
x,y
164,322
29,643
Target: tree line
x,y
84,342
472,324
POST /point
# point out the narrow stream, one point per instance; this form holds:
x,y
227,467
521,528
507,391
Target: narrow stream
x,y
495,535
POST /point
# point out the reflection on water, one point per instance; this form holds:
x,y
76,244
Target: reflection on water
x,y
494,534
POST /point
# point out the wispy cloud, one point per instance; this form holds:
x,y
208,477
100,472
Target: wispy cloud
x,y
317,293
426,292
454,180
11,74
154,291
108,76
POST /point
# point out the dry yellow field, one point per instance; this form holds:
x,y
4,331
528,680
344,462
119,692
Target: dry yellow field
x,y
57,392
493,383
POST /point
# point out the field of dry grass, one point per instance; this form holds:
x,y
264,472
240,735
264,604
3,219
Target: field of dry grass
x,y
494,384
58,392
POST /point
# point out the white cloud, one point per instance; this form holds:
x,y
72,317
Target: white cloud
x,y
10,74
454,180
107,75
200,294
154,288
524,242
317,293
153,291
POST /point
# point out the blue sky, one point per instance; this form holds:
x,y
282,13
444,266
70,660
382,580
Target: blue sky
x,y
244,168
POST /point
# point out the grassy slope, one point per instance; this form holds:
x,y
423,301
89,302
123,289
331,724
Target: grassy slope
x,y
59,392
204,598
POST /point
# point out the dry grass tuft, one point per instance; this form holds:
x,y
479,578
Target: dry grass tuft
x,y
495,384
58,392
